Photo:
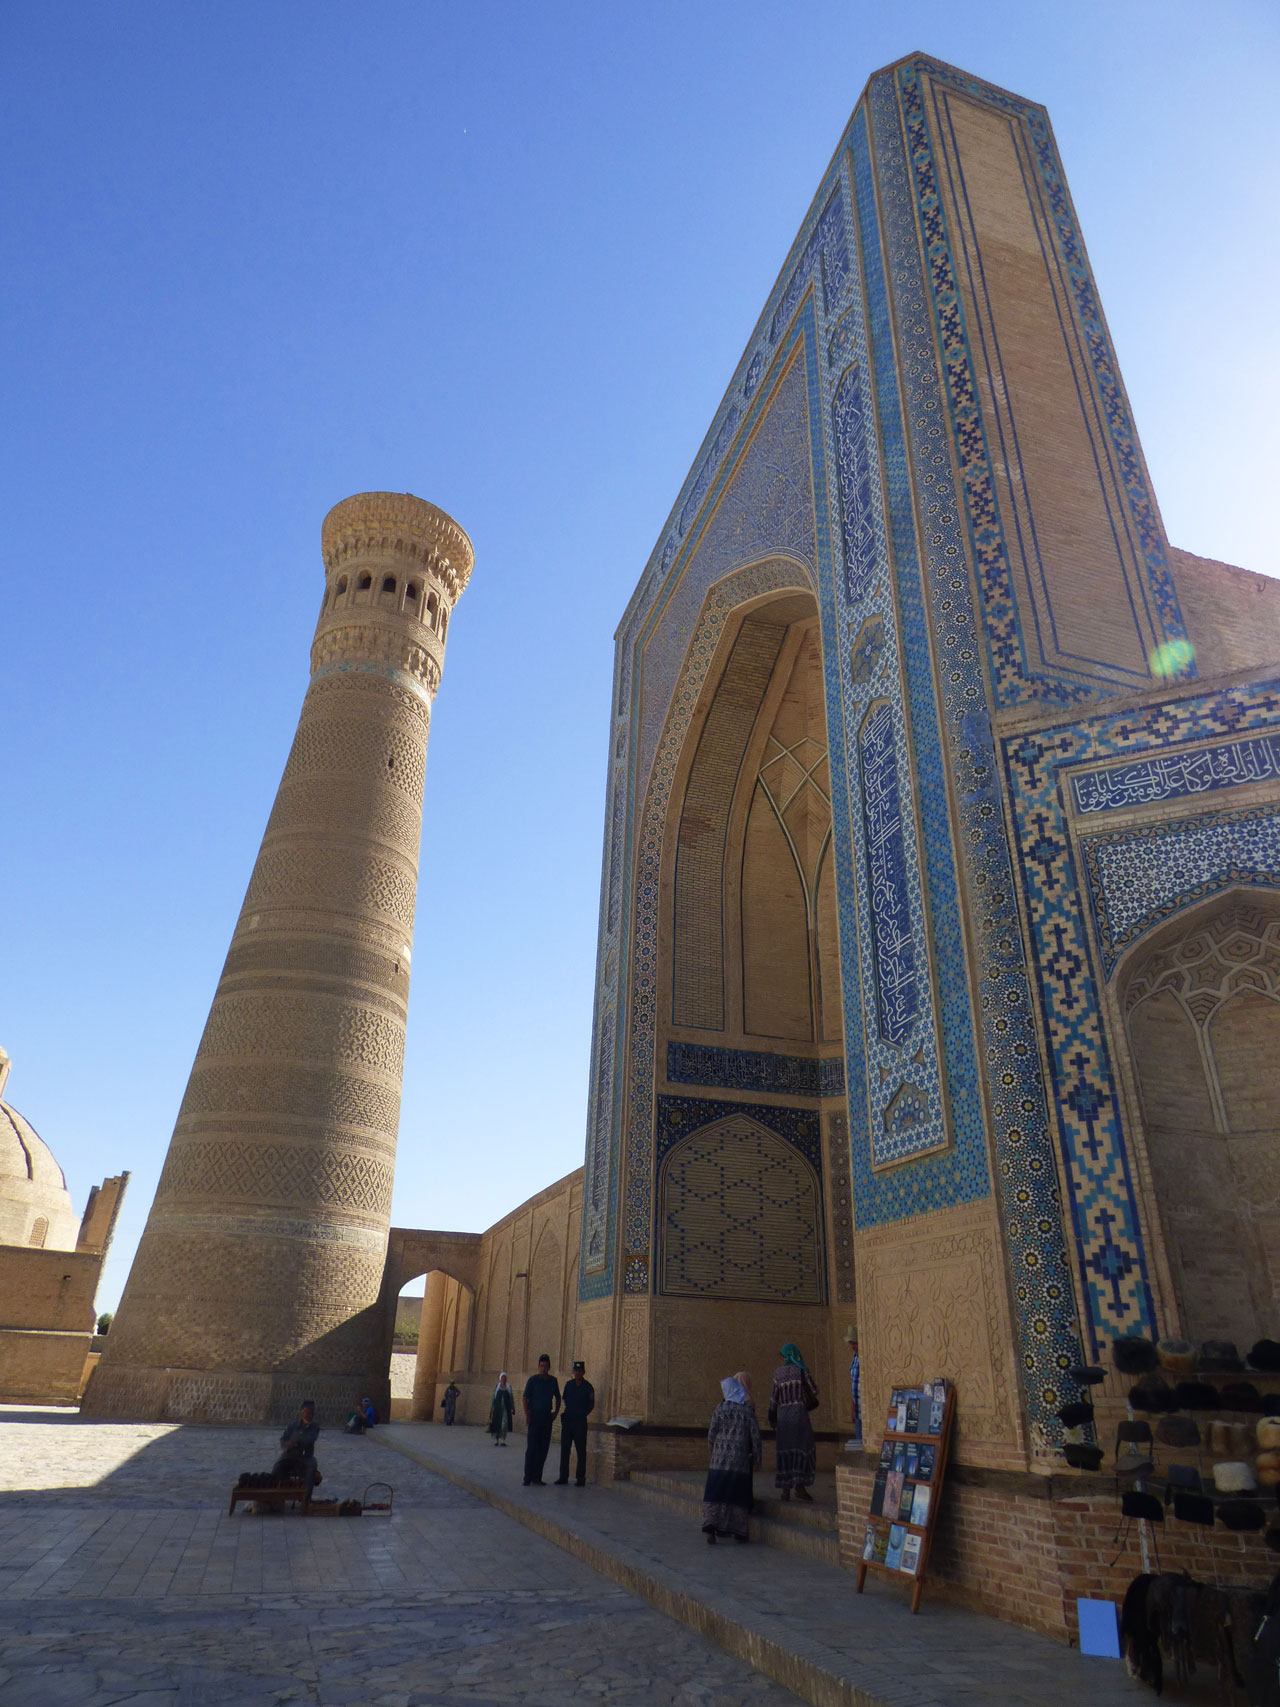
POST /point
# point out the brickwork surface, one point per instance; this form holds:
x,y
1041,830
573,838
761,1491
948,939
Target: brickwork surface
x,y
122,1580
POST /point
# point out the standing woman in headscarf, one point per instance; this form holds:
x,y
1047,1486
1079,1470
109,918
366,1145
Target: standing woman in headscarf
x,y
502,1411
794,1395
734,1439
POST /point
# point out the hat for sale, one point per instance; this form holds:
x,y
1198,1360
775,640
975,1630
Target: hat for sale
x,y
1133,1468
1220,1357
1193,1508
1134,1355
1152,1393
1240,1396
1178,1431
1242,1515
1181,1479
1264,1354
1233,1477
1195,1396
1177,1356
1082,1454
1078,1412
1136,1504
1086,1374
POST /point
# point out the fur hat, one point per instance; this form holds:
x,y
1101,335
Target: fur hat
x,y
1193,1508
1139,1431
1178,1431
1082,1455
1133,1467
1078,1412
1086,1374
1265,1354
1152,1393
1242,1515
1267,1430
1133,1355
1135,1504
1228,1439
1240,1396
1195,1396
1182,1479
1220,1356
1234,1477
1177,1356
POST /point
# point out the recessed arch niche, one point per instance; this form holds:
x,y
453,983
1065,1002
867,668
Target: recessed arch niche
x,y
740,1216
1201,1005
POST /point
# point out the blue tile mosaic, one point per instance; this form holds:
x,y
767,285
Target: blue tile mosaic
x,y
677,1117
892,936
1139,878
1086,1103
1171,776
754,1070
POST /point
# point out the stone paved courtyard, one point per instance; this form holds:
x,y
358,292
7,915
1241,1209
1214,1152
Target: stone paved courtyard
x,y
123,1583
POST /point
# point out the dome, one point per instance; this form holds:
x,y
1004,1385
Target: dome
x,y
35,1206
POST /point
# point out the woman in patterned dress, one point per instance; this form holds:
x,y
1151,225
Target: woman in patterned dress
x,y
794,1395
734,1440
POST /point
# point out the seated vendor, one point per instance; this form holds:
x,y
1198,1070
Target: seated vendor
x,y
297,1458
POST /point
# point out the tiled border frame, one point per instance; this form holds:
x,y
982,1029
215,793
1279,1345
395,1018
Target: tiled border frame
x,y
1102,1202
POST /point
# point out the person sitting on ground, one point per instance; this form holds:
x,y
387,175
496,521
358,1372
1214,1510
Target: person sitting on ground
x,y
368,1410
297,1460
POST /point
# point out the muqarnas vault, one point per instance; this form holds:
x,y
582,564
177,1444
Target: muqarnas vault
x,y
939,951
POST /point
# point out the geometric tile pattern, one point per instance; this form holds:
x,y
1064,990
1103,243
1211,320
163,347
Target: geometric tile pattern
x,y
1137,878
677,1117
740,1217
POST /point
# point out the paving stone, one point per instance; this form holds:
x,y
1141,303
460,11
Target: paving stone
x,y
126,1584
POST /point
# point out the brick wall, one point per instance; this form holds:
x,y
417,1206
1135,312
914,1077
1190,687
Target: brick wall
x,y
42,1368
48,1289
1026,1548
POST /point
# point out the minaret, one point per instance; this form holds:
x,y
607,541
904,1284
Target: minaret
x,y
260,1266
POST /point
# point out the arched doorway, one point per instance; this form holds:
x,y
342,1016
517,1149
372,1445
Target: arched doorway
x,y
1201,1005
749,1046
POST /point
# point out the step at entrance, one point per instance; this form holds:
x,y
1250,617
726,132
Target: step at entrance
x,y
792,1525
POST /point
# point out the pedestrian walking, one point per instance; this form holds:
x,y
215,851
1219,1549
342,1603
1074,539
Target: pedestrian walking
x,y
794,1395
577,1401
502,1410
735,1451
541,1402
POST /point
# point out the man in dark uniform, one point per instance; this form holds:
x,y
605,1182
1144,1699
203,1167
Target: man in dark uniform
x,y
579,1400
541,1403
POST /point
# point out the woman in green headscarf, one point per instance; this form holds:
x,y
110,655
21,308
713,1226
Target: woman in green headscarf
x,y
794,1395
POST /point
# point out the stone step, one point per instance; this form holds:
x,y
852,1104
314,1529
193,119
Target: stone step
x,y
792,1526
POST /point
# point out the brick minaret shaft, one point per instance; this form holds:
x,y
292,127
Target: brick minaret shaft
x,y
257,1275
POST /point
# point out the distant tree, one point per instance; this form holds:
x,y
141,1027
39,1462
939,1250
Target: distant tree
x,y
105,1320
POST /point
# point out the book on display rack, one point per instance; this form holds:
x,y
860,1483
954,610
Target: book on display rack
x,y
909,1473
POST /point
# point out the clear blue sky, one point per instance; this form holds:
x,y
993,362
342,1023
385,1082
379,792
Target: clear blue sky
x,y
259,256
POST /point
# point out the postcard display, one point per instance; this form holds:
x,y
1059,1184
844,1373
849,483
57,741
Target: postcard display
x,y
904,1500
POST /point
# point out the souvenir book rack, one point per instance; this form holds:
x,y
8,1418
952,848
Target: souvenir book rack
x,y
908,1485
